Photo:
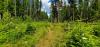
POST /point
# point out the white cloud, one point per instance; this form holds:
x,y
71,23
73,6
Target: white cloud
x,y
46,6
45,1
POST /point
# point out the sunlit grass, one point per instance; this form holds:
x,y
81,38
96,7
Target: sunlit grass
x,y
68,34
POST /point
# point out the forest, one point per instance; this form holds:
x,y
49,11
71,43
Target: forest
x,y
70,23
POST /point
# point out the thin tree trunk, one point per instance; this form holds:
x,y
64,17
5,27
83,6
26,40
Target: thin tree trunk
x,y
15,8
73,14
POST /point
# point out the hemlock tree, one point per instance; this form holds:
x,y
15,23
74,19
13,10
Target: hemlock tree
x,y
1,8
72,7
36,9
54,8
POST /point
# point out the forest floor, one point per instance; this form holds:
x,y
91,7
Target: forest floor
x,y
49,40
43,34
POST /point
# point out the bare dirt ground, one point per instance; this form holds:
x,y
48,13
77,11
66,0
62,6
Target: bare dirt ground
x,y
50,38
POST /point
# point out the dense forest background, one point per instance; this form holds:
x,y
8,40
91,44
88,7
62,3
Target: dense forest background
x,y
70,23
83,10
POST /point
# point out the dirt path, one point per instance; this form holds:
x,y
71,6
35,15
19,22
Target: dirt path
x,y
49,39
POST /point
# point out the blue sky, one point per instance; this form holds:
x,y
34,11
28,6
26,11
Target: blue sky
x,y
46,5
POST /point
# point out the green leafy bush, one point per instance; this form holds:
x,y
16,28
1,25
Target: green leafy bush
x,y
96,31
2,37
6,17
14,36
80,36
79,39
7,27
30,29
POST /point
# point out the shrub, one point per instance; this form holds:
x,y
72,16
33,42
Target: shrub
x,y
2,38
96,31
8,26
14,36
30,29
80,37
6,17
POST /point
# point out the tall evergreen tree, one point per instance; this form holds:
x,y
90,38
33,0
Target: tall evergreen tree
x,y
36,5
72,8
54,7
1,8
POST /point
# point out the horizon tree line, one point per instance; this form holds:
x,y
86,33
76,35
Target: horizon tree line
x,y
83,10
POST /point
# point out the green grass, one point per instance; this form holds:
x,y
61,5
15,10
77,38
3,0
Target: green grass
x,y
82,35
19,33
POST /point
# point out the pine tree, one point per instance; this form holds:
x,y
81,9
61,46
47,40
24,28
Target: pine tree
x,y
54,6
1,8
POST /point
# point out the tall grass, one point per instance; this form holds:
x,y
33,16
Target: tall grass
x,y
83,35
18,33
